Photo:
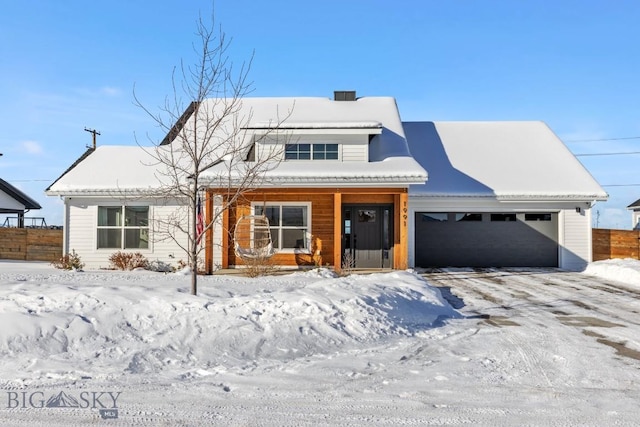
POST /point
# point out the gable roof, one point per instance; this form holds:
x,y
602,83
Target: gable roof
x,y
18,196
108,170
389,158
73,165
506,160
634,205
112,169
179,124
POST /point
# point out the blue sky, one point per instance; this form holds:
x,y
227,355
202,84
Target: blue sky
x,y
574,64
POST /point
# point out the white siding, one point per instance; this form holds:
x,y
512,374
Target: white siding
x,y
81,232
8,202
635,219
355,153
575,238
351,148
162,247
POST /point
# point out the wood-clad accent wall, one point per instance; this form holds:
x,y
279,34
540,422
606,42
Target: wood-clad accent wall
x,y
337,231
326,227
322,232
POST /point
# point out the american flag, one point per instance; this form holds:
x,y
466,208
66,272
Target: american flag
x,y
199,222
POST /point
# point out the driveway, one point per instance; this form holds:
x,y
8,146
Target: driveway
x,y
534,298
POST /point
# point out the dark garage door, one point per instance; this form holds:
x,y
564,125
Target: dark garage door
x,y
475,239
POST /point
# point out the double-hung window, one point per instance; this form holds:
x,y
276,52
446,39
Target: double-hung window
x,y
289,224
311,152
123,227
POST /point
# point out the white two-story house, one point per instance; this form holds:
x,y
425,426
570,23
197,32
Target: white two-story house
x,y
347,179
338,186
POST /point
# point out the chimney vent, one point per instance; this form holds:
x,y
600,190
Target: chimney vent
x,y
344,95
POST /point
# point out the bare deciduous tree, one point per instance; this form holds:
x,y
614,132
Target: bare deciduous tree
x,y
208,143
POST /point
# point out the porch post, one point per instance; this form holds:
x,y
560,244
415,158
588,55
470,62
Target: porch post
x,y
225,234
337,231
401,202
208,241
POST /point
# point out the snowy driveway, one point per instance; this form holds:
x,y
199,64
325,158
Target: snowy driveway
x,y
557,348
547,298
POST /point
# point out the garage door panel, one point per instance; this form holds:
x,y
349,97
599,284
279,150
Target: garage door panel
x,y
486,243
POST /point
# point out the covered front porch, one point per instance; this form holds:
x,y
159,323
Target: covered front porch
x,y
335,227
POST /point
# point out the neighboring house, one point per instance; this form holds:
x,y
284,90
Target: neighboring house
x,y
635,214
498,194
349,182
15,202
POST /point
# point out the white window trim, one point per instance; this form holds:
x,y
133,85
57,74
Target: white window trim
x,y
148,249
312,143
308,234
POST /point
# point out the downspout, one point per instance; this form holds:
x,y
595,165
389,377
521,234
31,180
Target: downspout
x,y
65,226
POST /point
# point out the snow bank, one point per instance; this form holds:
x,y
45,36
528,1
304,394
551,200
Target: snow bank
x,y
622,270
73,325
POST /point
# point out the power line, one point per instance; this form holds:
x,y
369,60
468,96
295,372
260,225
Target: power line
x,y
620,185
607,154
602,139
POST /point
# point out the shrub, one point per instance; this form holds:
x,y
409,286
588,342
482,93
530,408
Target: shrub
x,y
160,266
128,261
348,264
70,261
201,267
260,266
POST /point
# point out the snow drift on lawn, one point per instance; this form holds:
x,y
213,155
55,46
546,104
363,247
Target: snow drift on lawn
x,y
73,325
621,270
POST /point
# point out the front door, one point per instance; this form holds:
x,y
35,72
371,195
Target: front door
x,y
367,236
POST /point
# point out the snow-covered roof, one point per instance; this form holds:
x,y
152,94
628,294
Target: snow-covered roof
x,y
128,168
317,125
389,159
285,113
392,171
109,169
365,112
506,160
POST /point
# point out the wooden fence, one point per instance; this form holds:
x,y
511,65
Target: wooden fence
x,y
33,244
30,244
609,244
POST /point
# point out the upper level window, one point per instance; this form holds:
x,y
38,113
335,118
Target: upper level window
x,y
311,152
123,227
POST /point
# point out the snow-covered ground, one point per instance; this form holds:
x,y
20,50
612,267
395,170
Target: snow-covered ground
x,y
444,347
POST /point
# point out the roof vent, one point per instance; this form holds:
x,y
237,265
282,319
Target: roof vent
x,y
344,95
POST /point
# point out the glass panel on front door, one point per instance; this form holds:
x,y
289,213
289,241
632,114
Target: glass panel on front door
x,y
368,215
367,236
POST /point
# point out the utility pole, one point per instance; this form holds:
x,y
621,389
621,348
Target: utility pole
x,y
94,133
